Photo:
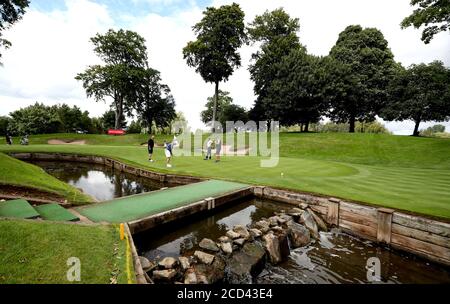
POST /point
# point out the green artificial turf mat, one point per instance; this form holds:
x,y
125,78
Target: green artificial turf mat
x,y
142,205
19,208
54,212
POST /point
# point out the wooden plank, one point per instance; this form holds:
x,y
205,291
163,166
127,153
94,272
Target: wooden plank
x,y
421,235
333,213
356,218
420,223
368,212
421,246
358,228
319,209
384,225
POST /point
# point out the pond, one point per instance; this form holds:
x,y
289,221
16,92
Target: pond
x,y
335,258
99,181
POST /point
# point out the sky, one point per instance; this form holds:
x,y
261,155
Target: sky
x,y
51,45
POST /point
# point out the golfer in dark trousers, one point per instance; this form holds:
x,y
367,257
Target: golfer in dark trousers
x,y
151,145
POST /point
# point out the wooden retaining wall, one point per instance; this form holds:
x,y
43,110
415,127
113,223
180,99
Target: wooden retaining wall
x,y
425,237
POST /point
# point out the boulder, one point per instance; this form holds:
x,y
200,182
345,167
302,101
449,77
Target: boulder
x,y
190,277
262,225
308,220
277,229
277,247
242,230
146,264
203,257
233,235
303,206
167,263
246,263
299,235
164,275
224,239
255,232
184,262
296,211
319,221
273,221
284,218
226,247
208,244
210,274
239,242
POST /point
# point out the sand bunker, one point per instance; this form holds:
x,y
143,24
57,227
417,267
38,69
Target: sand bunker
x,y
66,142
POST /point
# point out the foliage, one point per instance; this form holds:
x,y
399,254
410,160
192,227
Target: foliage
x,y
214,53
11,11
432,131
420,93
4,122
361,66
433,14
134,127
108,121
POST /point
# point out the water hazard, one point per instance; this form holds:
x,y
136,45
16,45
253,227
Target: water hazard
x,y
335,258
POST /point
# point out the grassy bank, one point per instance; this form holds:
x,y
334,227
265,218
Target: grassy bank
x,y
407,173
36,252
15,172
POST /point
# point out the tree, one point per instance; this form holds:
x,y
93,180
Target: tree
x,y
125,56
109,121
433,14
295,95
214,54
34,119
11,11
277,33
420,93
4,122
155,103
361,66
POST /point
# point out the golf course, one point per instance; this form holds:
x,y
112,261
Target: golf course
x,y
406,173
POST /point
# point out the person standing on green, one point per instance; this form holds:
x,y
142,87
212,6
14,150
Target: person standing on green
x,y
150,146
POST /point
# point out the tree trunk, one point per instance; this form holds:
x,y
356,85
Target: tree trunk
x,y
416,128
352,124
307,126
118,112
216,100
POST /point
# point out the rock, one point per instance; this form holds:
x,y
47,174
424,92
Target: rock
x,y
168,263
319,221
277,229
277,247
273,221
296,211
203,257
210,274
264,226
303,206
208,244
299,235
164,275
148,279
146,264
224,239
246,263
308,220
243,232
190,277
233,235
240,241
184,262
255,232
226,247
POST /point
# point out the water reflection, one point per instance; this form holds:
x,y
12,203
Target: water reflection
x,y
101,182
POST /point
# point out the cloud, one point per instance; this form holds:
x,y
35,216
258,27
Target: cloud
x,y
49,48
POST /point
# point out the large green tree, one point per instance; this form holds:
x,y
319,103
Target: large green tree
x,y
420,93
10,12
276,31
34,119
214,54
434,15
125,56
361,66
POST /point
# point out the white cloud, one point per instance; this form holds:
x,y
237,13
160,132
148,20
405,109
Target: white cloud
x,y
50,48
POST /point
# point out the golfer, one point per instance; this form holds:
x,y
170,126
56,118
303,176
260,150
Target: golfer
x,y
151,145
218,149
168,152
208,149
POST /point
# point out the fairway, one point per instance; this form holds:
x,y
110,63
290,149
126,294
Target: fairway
x,y
142,205
411,174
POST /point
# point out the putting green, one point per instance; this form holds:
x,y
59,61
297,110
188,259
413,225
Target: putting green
x,y
138,206
19,208
54,212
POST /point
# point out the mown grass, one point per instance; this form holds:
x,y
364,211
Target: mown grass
x,y
34,252
15,172
406,173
